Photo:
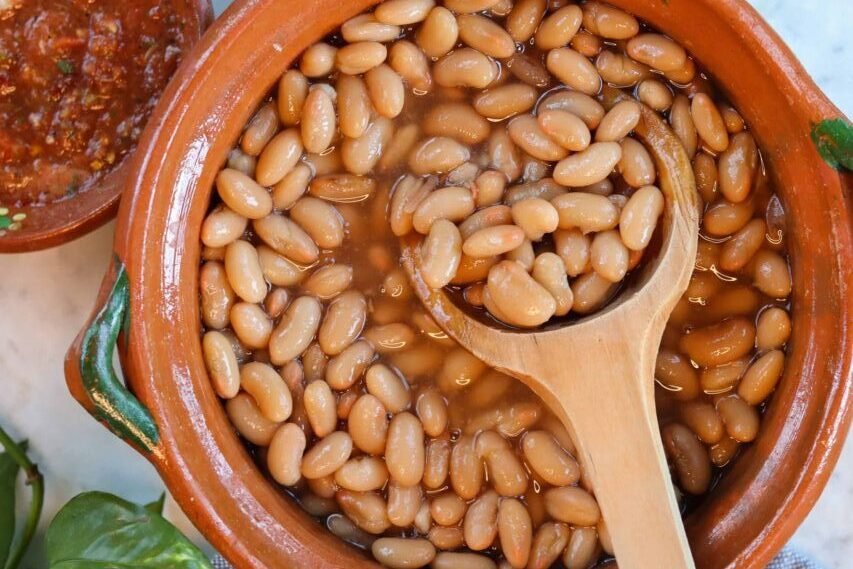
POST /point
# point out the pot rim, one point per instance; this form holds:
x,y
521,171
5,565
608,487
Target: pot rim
x,y
64,220
157,242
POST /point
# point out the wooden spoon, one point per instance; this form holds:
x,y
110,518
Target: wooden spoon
x,y
597,374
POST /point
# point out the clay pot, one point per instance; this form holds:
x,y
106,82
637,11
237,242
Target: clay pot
x,y
170,413
62,221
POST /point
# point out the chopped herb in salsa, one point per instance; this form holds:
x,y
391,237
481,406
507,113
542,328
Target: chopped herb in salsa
x,y
65,66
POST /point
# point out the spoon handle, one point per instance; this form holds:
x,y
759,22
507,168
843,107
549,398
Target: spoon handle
x,y
606,400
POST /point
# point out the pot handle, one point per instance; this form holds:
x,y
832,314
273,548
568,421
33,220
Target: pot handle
x,y
833,140
91,376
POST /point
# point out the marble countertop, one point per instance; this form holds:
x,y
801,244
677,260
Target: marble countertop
x,y
45,296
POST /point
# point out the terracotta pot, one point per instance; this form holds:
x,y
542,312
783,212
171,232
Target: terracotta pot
x,y
60,222
170,413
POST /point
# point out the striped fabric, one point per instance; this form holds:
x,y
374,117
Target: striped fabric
x,y
787,559
790,558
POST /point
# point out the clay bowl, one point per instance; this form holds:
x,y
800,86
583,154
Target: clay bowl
x,y
170,413
62,221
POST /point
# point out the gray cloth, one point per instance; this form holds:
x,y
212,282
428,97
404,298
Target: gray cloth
x,y
787,559
790,558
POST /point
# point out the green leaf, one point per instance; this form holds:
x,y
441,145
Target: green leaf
x,y
18,453
834,141
157,507
8,480
5,221
101,531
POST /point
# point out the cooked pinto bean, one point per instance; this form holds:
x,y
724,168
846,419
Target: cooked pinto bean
x,y
520,298
221,363
636,165
484,35
559,28
402,553
761,378
691,461
720,343
222,226
368,27
327,455
589,166
773,329
404,452
587,212
242,194
318,60
582,548
549,541
465,67
266,386
286,237
638,218
657,51
609,22
243,270
574,70
741,420
515,531
737,166
438,155
504,101
548,460
529,136
771,274
217,296
572,505
295,330
285,454
318,121
702,418
458,121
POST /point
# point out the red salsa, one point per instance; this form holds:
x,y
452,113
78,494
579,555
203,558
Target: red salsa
x,y
78,79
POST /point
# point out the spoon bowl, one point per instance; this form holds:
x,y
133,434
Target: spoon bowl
x,y
597,374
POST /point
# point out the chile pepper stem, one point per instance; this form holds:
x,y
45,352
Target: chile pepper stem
x,y
35,481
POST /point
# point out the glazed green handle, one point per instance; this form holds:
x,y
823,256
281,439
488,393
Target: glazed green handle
x,y
110,399
833,139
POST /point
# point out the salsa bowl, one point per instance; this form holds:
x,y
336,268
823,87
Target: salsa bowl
x,y
59,220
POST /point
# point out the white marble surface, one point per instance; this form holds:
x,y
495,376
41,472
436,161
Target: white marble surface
x,y
45,296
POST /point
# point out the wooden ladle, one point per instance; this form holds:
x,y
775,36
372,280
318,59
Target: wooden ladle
x,y
597,374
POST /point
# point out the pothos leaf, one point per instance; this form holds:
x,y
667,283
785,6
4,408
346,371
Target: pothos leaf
x,y
157,506
101,531
8,480
834,141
